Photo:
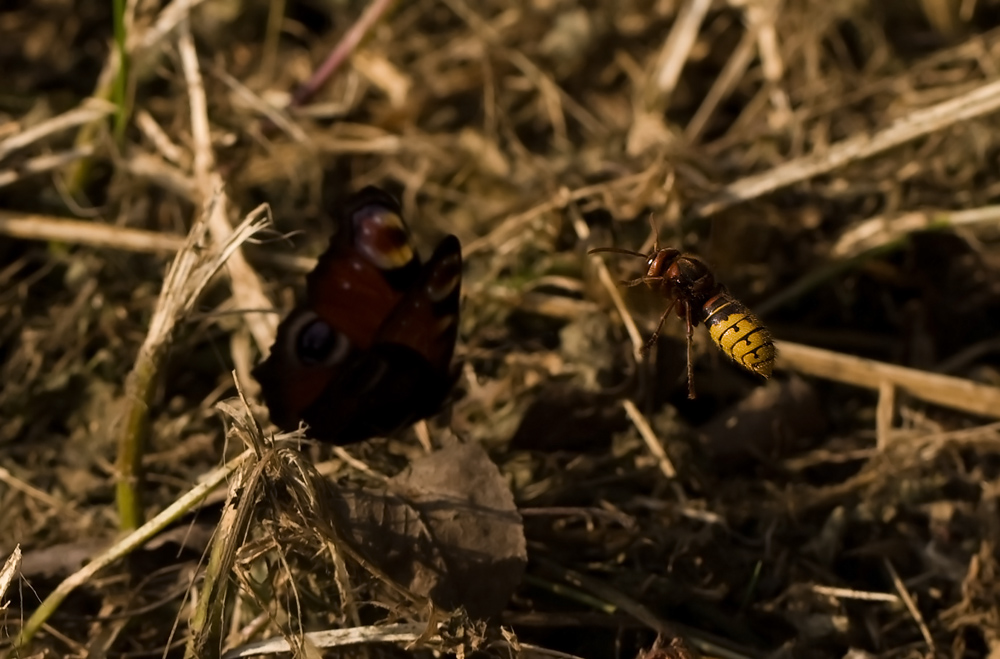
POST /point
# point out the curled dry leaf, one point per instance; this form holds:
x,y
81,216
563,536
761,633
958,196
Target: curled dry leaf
x,y
446,528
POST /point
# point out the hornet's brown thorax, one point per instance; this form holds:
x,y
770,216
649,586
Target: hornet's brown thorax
x,y
684,278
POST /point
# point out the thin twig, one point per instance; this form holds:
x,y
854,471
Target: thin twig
x,y
340,53
648,436
676,49
45,163
31,226
944,390
155,134
724,83
884,230
11,570
331,638
911,606
609,284
885,410
126,546
247,288
851,594
982,100
188,275
91,109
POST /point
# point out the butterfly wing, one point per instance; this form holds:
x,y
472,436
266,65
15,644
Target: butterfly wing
x,y
369,350
367,270
405,375
359,280
426,319
414,348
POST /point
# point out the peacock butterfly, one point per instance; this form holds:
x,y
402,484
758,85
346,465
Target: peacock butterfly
x,y
369,350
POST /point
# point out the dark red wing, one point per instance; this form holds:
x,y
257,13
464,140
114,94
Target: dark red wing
x,y
406,373
367,270
370,348
426,320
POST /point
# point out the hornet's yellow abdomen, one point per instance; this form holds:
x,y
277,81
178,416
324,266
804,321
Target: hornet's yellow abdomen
x,y
739,334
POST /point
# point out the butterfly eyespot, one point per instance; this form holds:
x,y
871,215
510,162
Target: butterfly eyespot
x,y
382,237
318,344
446,279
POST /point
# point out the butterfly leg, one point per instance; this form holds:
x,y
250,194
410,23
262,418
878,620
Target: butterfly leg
x,y
656,333
690,340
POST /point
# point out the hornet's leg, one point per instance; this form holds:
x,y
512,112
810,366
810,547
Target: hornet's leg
x,y
628,283
659,325
690,336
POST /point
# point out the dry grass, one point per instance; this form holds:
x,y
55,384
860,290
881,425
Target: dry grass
x,y
834,162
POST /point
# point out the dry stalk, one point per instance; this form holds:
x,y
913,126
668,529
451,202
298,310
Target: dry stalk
x,y
923,121
911,606
347,45
205,627
247,289
44,163
401,633
155,134
31,226
652,441
724,84
851,594
675,52
11,570
883,231
945,390
188,275
124,547
91,109
159,172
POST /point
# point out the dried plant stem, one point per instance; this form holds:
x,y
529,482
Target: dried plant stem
x,y
725,82
44,163
11,570
121,549
609,284
980,101
31,226
676,50
886,231
340,53
911,606
874,237
205,626
90,110
407,632
648,436
188,275
247,289
945,390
